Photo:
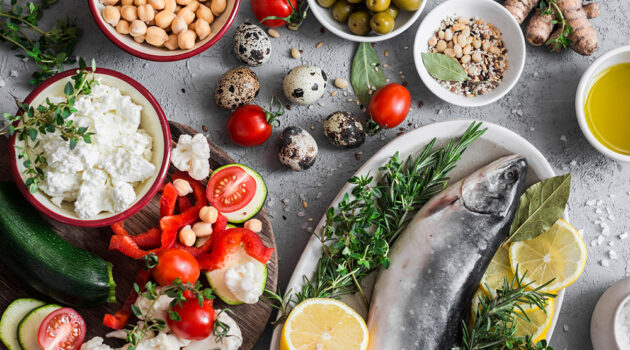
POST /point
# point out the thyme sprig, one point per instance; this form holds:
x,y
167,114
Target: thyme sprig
x,y
563,39
30,122
358,233
179,292
496,319
50,49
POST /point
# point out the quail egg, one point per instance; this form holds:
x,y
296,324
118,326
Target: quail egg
x,y
305,84
298,149
343,130
237,87
251,44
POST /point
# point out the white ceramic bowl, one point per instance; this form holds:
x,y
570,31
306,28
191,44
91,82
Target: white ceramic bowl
x,y
489,11
153,121
611,58
219,26
324,15
605,331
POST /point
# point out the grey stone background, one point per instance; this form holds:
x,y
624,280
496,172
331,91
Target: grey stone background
x,y
540,107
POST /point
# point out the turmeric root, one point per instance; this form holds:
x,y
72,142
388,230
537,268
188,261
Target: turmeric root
x,y
539,28
592,10
584,38
520,9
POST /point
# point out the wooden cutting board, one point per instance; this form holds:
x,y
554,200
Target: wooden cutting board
x,y
252,319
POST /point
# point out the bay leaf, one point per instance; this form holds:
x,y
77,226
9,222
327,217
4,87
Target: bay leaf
x,y
443,67
367,73
540,207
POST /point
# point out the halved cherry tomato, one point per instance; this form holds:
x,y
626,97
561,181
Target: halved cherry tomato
x,y
175,263
230,189
196,321
63,329
389,105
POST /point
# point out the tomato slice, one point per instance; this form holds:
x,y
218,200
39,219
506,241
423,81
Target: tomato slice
x,y
230,189
63,329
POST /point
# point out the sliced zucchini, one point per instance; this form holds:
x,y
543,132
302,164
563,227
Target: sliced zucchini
x,y
12,317
216,278
254,203
29,326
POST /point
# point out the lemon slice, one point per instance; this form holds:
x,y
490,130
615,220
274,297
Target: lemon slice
x,y
539,322
497,271
324,324
558,253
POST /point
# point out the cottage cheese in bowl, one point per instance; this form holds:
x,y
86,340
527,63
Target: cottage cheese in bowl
x,y
99,176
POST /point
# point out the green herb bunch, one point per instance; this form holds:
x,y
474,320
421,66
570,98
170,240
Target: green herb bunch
x,y
177,290
50,49
563,39
494,324
31,122
358,233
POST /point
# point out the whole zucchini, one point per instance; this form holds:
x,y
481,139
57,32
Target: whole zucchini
x,y
37,255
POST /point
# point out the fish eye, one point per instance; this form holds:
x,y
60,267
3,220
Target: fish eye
x,y
511,174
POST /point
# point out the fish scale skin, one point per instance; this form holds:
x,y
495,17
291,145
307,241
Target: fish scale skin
x,y
436,265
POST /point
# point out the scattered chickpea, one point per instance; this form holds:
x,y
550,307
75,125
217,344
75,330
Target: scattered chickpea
x,y
178,25
129,13
138,28
209,214
254,225
164,19
202,229
202,28
157,36
204,12
111,15
122,27
171,42
187,14
157,4
186,39
218,6
187,236
146,13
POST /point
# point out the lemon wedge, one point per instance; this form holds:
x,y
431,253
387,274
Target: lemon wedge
x,y
539,322
558,254
324,324
497,271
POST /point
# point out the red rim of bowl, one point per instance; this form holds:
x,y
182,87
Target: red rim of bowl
x,y
159,58
153,190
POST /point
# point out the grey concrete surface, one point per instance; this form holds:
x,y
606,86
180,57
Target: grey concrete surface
x,y
540,107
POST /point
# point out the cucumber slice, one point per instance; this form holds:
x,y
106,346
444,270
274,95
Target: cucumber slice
x,y
11,318
201,241
29,327
216,278
255,204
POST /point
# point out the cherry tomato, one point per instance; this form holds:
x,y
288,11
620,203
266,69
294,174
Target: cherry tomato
x,y
63,329
230,189
175,263
250,125
196,321
285,11
389,105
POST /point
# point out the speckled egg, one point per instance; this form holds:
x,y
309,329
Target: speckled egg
x,y
237,87
251,44
305,84
343,130
298,149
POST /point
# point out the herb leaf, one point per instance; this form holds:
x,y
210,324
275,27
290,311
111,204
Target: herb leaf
x,y
540,207
443,67
367,74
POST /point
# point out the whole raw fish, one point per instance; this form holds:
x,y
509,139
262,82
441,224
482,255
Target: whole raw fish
x,y
419,302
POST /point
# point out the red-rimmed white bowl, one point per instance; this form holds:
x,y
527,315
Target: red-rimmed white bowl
x,y
153,121
219,26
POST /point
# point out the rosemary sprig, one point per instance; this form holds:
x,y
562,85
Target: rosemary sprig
x,y
358,233
49,49
30,122
494,323
562,40
176,290
221,330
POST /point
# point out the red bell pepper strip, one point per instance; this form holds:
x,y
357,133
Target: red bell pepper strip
x,y
119,319
184,204
127,246
168,200
170,225
226,243
149,239
119,228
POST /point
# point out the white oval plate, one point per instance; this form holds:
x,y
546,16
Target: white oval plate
x,y
496,142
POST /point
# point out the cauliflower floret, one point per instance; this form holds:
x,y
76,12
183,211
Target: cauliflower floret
x,y
95,343
192,154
